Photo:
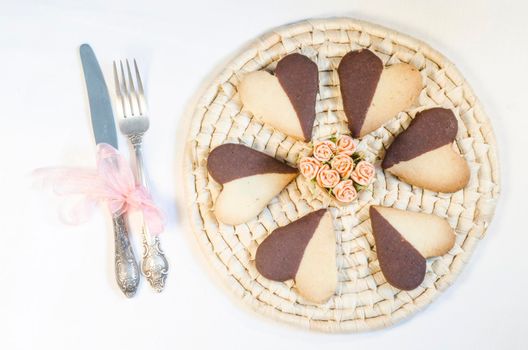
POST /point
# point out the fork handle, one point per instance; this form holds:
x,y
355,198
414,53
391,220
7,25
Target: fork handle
x,y
126,267
139,174
154,266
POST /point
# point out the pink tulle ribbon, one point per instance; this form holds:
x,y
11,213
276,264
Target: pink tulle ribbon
x,y
111,183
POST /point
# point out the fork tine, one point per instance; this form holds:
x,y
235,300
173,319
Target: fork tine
x,y
118,93
141,98
129,108
134,101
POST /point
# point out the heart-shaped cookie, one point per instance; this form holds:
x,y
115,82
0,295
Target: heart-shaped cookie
x,y
285,100
304,251
250,179
423,155
372,95
404,240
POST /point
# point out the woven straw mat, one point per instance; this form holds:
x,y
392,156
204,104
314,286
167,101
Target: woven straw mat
x,y
363,299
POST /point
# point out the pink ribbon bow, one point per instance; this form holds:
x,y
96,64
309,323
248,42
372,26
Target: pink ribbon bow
x,y
112,182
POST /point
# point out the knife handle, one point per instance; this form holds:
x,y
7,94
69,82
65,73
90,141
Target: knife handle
x,y
126,267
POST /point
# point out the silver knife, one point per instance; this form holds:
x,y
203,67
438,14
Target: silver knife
x,y
126,267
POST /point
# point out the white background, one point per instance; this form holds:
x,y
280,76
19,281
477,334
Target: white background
x,y
57,286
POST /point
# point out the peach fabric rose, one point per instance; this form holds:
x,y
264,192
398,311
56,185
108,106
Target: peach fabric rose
x,y
324,150
346,145
345,191
309,167
363,173
327,178
343,164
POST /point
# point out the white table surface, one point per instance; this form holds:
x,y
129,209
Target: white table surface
x,y
57,284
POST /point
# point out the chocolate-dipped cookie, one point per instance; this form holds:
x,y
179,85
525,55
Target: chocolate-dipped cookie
x,y
249,179
285,100
423,155
404,240
304,251
372,94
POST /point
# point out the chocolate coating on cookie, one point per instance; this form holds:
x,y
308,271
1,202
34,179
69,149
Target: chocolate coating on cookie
x,y
430,129
233,161
299,77
359,73
279,255
401,264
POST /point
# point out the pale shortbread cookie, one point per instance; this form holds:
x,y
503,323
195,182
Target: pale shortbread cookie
x,y
372,94
262,94
429,234
243,199
316,278
285,100
250,179
398,87
305,251
424,156
404,240
440,170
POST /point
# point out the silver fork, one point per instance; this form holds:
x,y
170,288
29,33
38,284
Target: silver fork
x,y
133,123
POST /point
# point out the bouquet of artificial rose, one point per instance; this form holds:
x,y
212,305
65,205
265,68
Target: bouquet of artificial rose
x,y
337,168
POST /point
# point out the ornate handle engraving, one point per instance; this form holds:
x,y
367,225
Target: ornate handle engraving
x,y
154,266
126,267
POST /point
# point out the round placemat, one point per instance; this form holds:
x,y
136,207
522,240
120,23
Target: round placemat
x,y
363,299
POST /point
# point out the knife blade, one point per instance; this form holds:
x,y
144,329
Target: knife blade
x,y
103,125
100,107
